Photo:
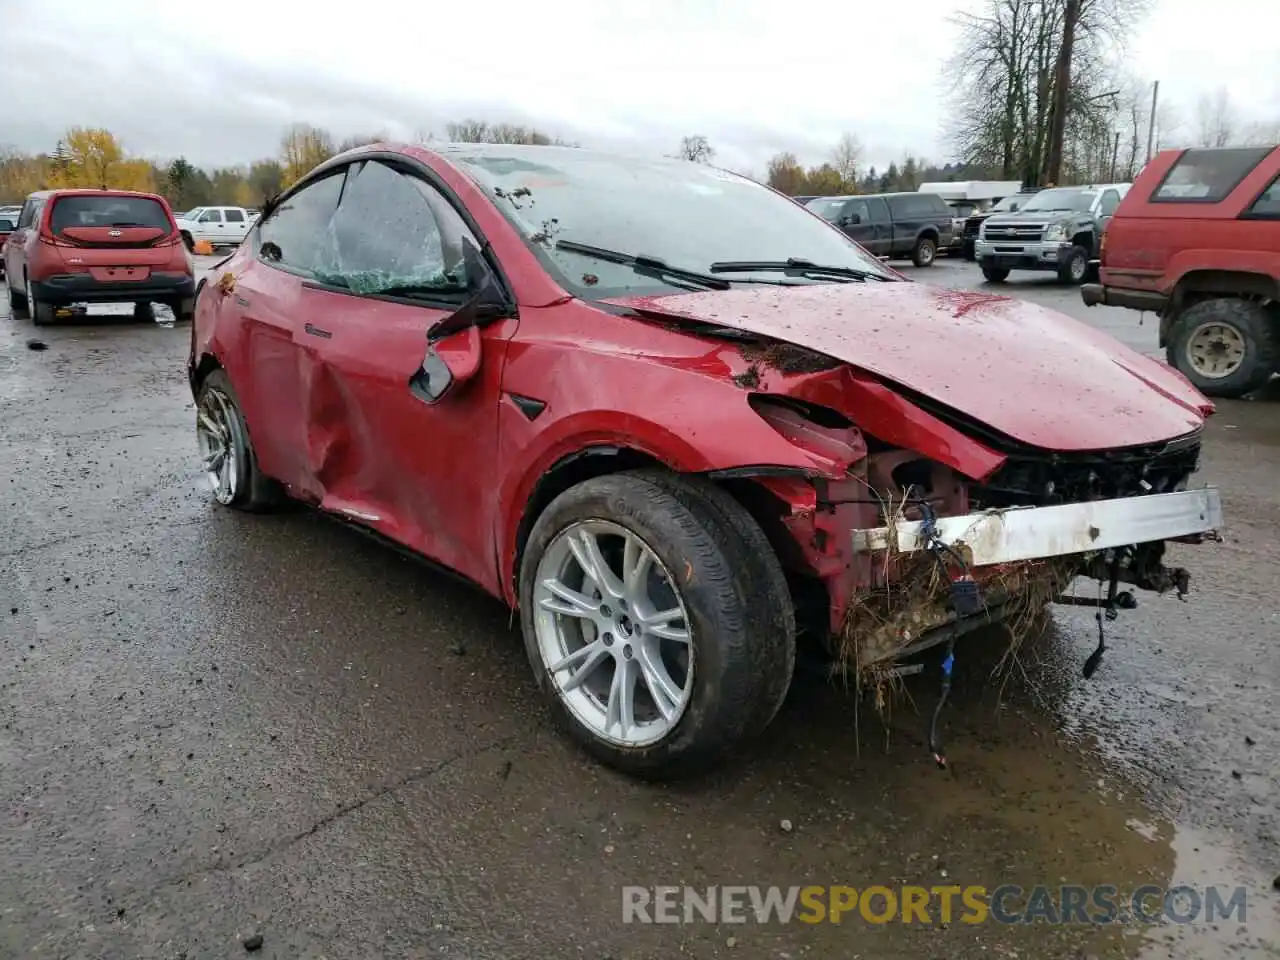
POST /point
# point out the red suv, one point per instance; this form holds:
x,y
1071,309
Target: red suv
x,y
97,246
1197,241
674,418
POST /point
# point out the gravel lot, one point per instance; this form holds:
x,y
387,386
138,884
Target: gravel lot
x,y
214,726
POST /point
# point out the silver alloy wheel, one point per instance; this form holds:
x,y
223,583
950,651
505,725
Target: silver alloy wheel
x,y
926,254
1079,267
1215,350
216,435
613,633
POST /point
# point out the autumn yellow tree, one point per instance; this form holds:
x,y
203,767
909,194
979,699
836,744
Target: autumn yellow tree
x,y
302,148
92,157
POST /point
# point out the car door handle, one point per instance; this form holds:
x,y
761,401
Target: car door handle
x,y
316,331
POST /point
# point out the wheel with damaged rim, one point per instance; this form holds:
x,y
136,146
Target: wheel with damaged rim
x,y
226,451
659,639
1226,346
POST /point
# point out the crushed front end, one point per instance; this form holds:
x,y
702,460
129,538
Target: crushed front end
x,y
913,552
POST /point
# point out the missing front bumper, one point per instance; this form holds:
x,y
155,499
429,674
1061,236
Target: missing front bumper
x,y
1038,533
1022,558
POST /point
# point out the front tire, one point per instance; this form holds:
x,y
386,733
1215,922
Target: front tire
x,y
925,252
657,622
226,451
1227,347
994,274
1075,268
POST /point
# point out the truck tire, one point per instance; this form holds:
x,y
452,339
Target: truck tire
x,y
1075,268
702,687
925,252
187,241
995,274
1226,346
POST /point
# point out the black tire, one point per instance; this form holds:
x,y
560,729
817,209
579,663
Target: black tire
x,y
739,613
994,274
42,314
142,310
187,241
17,301
254,491
1256,326
969,253
925,252
184,310
1075,268
757,565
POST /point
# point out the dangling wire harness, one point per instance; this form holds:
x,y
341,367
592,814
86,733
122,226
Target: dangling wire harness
x,y
966,600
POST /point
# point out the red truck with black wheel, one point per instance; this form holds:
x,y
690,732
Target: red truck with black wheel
x,y
1197,241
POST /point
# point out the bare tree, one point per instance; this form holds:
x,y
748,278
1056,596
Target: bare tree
x,y
696,148
1031,78
1217,120
846,157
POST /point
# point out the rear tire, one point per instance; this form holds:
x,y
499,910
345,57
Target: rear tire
x,y
738,626
1208,335
925,252
187,241
17,301
184,309
994,274
142,311
42,314
1075,268
222,436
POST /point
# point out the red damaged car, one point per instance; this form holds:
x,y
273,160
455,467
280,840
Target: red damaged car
x,y
675,419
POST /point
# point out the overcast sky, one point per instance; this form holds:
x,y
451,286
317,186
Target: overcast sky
x,y
218,80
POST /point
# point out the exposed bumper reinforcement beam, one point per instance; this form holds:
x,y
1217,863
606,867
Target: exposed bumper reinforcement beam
x,y
1032,533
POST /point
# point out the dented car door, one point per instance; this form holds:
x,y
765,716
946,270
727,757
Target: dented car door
x,y
378,453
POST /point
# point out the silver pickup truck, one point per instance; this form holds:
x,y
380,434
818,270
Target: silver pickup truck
x,y
1057,230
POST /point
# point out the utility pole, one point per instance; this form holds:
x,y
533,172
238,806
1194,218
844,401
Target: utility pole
x,y
1115,156
1061,90
1151,121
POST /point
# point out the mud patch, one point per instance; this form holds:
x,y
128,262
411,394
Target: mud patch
x,y
749,379
787,358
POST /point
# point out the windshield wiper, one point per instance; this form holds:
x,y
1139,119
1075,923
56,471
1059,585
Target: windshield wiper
x,y
645,266
796,267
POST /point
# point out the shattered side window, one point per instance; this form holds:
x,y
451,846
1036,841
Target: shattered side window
x,y
387,237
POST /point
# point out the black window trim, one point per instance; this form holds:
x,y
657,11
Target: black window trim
x,y
341,166
1156,198
1251,214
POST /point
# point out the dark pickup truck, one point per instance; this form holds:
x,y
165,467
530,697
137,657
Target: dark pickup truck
x,y
914,225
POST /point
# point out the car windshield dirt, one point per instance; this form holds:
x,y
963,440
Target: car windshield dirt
x,y
107,211
688,215
1061,198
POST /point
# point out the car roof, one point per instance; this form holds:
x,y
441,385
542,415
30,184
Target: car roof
x,y
90,192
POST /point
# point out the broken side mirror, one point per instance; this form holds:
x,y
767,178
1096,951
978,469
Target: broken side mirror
x,y
449,361
454,346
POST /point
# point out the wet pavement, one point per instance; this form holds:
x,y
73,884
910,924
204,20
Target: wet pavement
x,y
215,725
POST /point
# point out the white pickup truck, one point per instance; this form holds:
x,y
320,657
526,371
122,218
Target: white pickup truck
x,y
221,226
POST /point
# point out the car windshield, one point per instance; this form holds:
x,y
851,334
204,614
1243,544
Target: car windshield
x,y
1061,198
1016,202
107,211
193,213
687,215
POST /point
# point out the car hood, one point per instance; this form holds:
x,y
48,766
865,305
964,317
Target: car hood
x,y
1028,372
